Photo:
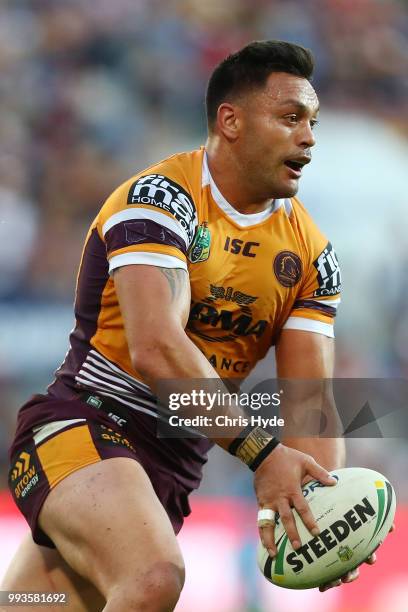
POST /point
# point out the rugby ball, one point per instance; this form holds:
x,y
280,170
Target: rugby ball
x,y
354,517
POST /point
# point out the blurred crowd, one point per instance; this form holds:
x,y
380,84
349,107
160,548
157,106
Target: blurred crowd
x,y
90,92
93,91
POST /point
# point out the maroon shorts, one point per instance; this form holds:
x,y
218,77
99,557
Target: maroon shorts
x,y
56,437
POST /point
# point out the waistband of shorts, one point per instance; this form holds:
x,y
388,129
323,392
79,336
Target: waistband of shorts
x,y
107,405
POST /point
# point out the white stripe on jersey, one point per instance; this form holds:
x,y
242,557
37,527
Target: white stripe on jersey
x,y
287,203
84,376
42,432
143,214
103,361
129,404
147,259
108,376
117,384
303,324
333,303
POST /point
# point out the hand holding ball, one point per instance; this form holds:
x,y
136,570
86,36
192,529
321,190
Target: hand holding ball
x,y
354,517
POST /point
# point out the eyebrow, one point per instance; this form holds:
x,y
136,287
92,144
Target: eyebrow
x,y
299,105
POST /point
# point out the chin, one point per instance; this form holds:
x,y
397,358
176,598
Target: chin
x,y
286,191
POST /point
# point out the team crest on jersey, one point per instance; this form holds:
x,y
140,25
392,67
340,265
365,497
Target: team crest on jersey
x,y
164,194
328,273
288,268
200,247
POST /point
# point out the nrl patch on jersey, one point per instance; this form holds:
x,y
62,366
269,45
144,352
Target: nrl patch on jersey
x,y
328,273
200,247
162,193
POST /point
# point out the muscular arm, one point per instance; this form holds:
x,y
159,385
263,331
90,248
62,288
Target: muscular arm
x,y
155,304
309,357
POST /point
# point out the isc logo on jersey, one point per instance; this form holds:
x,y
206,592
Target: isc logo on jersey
x,y
158,191
328,273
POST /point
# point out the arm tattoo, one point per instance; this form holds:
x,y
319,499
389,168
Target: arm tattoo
x,y
176,279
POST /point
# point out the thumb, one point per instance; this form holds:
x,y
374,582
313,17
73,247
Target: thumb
x,y
319,473
307,479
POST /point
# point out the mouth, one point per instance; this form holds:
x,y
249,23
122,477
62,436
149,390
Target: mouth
x,y
296,165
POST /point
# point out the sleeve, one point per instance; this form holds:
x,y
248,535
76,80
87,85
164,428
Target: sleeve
x,y
316,303
150,220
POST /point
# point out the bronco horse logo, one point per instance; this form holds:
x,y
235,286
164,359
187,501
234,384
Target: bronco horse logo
x,y
288,268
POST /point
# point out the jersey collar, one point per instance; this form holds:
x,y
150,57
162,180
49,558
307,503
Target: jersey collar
x,y
229,210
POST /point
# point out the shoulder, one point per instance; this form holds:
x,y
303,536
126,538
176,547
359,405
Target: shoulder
x,y
309,233
322,267
181,170
302,216
170,187
176,173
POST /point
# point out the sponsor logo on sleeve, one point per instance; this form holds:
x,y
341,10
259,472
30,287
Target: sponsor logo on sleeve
x,y
328,273
164,194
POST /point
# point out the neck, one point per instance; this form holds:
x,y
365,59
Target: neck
x,y
231,179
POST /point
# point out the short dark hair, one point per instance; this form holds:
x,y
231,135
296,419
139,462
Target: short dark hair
x,y
250,67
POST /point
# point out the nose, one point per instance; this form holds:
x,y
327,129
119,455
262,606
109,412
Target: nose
x,y
307,137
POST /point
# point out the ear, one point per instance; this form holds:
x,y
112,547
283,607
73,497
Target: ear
x,y
229,120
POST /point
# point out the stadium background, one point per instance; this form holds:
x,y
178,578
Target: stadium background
x,y
91,92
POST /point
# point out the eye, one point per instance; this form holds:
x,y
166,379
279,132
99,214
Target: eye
x,y
314,123
292,118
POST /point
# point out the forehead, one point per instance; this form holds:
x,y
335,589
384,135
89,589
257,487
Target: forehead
x,y
282,89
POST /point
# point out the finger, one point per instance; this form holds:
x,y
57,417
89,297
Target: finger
x,y
306,479
267,535
305,514
351,576
319,473
288,520
329,585
371,559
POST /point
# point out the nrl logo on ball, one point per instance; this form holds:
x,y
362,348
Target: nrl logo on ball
x,y
344,553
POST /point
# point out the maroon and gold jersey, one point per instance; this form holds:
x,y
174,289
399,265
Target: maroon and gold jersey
x,y
251,276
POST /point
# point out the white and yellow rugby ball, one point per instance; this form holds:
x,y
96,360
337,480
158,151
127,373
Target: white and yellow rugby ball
x,y
354,517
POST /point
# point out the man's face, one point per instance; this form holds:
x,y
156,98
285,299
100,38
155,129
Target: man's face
x,y
276,134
